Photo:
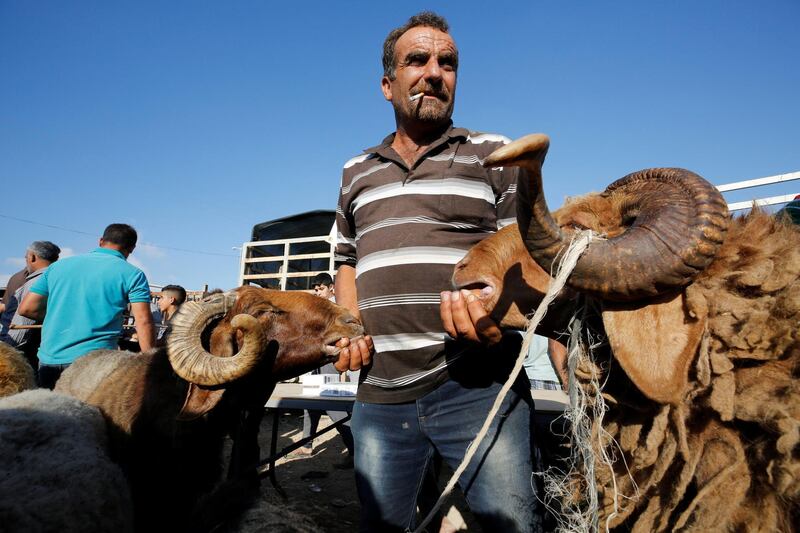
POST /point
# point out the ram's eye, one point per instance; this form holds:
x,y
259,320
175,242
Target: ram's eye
x,y
266,312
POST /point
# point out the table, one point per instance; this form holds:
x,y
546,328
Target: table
x,y
290,396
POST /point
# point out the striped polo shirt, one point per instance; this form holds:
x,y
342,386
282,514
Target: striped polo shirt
x,y
403,230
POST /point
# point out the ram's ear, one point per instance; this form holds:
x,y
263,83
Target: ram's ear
x,y
656,343
198,402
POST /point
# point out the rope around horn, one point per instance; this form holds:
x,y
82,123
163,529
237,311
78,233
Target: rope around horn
x,y
580,241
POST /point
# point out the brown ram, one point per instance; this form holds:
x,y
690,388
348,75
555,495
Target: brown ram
x,y
694,319
168,411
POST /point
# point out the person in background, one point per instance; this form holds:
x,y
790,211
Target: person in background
x,y
16,281
38,257
546,364
409,209
546,368
169,301
81,300
791,211
323,287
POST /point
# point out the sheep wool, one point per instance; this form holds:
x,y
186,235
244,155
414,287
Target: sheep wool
x,y
16,375
723,458
55,474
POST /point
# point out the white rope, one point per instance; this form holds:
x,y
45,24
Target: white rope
x,y
590,444
580,241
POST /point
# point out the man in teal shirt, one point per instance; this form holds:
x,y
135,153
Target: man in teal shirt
x,y
82,300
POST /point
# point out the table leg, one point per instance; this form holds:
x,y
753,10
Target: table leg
x,y
272,455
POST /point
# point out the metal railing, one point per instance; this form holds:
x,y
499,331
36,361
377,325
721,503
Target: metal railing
x,y
760,182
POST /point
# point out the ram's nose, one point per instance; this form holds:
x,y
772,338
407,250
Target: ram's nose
x,y
352,323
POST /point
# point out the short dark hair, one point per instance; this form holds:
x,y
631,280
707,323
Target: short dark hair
x,y
322,278
121,235
428,19
45,250
178,292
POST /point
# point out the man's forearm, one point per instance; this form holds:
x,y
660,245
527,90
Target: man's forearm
x,y
146,335
345,289
143,320
558,358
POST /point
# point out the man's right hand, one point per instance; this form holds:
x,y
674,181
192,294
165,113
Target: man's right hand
x,y
464,317
354,355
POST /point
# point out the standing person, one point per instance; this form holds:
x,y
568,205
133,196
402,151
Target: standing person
x,y
81,300
323,287
38,257
408,210
169,301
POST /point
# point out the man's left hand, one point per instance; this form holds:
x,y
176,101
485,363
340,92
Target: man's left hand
x,y
354,355
463,316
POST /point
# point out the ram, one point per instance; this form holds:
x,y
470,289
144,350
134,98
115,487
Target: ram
x,y
169,411
691,325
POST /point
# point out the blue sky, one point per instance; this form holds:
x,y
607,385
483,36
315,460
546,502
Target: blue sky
x,y
195,120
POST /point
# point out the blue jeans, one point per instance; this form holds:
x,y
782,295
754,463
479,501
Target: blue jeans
x,y
395,443
49,374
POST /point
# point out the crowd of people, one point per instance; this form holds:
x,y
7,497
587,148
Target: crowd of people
x,y
58,310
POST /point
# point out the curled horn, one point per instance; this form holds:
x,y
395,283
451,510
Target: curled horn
x,y
193,363
679,221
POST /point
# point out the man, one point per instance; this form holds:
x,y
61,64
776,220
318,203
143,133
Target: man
x,y
169,301
38,257
81,300
409,209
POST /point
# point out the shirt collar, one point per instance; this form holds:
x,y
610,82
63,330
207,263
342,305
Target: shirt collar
x,y
450,133
109,251
36,273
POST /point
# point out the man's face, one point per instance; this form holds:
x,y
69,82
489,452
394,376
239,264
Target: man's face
x,y
323,291
30,259
426,60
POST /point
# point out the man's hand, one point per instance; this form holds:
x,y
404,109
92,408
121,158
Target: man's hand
x,y
355,355
463,316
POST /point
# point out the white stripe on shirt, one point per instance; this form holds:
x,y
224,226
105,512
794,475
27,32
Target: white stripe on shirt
x,y
503,222
412,255
397,221
358,159
376,168
408,341
448,186
481,138
431,298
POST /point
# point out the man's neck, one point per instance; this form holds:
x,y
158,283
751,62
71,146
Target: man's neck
x,y
411,142
116,247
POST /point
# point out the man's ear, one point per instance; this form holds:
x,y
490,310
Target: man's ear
x,y
386,88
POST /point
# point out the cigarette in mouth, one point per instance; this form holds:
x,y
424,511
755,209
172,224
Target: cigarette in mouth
x,y
415,97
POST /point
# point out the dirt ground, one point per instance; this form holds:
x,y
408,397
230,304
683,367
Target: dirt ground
x,y
320,497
